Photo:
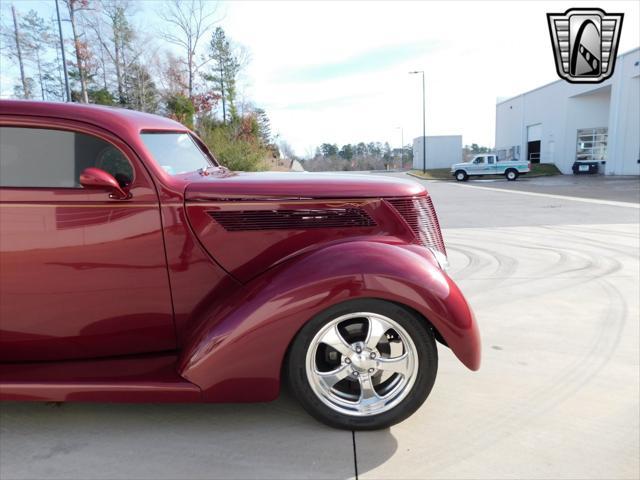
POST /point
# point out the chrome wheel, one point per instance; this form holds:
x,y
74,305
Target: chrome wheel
x,y
361,364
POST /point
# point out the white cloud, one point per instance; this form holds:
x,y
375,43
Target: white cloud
x,y
474,52
337,71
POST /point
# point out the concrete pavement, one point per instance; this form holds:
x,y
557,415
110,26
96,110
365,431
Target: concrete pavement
x,y
557,394
554,284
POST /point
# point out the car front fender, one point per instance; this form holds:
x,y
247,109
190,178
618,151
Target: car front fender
x,y
236,352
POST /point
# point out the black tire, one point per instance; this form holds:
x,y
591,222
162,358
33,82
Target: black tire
x,y
461,176
427,365
511,174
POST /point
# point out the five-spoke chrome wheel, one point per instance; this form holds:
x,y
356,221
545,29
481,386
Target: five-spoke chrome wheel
x,y
361,364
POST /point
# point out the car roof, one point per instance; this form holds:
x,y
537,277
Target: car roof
x,y
118,120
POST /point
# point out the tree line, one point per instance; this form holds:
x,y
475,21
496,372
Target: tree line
x,y
191,75
359,156
371,156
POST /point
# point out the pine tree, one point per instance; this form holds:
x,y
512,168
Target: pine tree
x,y
264,126
223,73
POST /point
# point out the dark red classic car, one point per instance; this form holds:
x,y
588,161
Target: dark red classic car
x,y
133,268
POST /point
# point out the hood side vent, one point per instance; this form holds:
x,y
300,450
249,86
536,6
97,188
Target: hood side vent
x,y
241,220
419,213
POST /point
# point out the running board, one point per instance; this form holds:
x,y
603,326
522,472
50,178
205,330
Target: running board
x,y
137,379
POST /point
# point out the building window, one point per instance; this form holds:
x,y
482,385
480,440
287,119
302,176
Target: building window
x,y
592,145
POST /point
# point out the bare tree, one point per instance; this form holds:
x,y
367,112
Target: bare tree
x,y
81,48
173,78
192,22
58,71
17,37
103,63
37,38
142,93
286,150
119,40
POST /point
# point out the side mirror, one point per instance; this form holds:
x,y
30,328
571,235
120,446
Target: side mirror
x,y
96,178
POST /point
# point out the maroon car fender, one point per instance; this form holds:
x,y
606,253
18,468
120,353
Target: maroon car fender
x,y
236,352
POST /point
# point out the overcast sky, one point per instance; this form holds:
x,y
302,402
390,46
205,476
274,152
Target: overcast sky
x,y
337,71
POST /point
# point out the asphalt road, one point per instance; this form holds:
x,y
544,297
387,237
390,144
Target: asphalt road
x,y
555,286
616,188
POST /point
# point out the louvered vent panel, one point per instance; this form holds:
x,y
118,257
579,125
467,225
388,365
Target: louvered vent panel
x,y
235,221
421,217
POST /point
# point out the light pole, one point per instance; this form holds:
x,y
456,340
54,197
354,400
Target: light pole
x,y
401,147
424,125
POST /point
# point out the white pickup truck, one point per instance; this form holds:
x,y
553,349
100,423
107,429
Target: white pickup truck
x,y
488,164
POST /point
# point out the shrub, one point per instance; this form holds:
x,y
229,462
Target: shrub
x,y
235,153
101,97
180,108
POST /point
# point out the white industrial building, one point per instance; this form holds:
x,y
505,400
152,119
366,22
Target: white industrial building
x,y
563,123
442,151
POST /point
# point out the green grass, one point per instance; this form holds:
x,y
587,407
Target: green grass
x,y
537,170
434,174
543,170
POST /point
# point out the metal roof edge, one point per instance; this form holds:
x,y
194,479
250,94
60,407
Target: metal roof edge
x,y
555,81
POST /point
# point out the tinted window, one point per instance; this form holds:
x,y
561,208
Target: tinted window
x,y
479,160
491,159
37,157
176,152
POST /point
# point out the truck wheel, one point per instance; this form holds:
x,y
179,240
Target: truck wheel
x,y
462,176
511,174
364,364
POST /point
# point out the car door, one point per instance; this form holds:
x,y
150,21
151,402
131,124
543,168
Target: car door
x,y
492,166
477,166
81,274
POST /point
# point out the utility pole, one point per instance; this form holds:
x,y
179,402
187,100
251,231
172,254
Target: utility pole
x,y
64,60
424,124
401,147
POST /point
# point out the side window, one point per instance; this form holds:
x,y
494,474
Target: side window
x,y
479,160
491,159
38,157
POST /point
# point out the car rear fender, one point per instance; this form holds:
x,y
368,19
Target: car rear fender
x,y
236,352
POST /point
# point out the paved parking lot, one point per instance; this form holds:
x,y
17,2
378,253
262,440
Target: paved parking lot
x,y
626,189
555,286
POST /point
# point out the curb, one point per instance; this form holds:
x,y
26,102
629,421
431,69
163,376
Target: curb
x,y
434,179
453,179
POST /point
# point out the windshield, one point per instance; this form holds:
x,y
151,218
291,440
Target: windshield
x,y
176,152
